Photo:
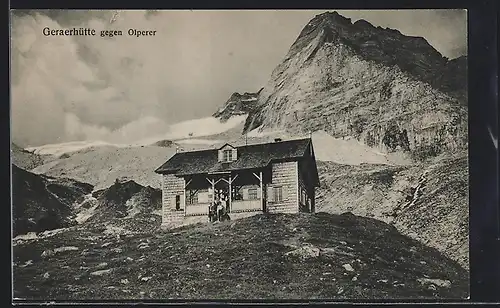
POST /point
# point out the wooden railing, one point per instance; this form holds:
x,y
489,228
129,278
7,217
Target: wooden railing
x,y
236,206
246,206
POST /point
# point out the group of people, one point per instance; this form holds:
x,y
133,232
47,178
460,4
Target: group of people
x,y
218,210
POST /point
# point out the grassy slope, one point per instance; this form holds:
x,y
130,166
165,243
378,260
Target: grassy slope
x,y
438,217
238,259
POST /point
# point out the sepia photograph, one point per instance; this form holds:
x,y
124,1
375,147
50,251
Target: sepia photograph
x,y
239,155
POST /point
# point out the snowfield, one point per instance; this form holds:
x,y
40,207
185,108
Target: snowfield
x,y
200,141
347,152
341,151
202,127
182,132
59,149
259,132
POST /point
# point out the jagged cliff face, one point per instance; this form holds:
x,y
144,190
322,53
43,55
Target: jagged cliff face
x,y
387,90
238,104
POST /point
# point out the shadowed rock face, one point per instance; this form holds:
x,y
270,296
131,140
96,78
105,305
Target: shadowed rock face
x,y
43,203
390,91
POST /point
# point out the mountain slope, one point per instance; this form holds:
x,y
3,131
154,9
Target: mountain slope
x,y
26,159
374,84
101,166
42,203
427,202
294,256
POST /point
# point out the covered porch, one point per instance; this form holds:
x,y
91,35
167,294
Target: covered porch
x,y
238,191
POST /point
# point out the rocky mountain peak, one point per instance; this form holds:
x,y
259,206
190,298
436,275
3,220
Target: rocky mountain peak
x,y
388,90
413,55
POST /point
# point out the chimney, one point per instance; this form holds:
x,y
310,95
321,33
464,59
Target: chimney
x,y
277,139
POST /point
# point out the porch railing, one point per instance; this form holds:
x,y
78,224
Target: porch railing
x,y
245,206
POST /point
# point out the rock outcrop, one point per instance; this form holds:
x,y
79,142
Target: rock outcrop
x,y
390,91
238,104
43,203
125,199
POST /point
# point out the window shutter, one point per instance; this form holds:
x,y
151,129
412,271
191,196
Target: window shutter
x,y
172,202
221,155
270,194
235,154
245,194
284,192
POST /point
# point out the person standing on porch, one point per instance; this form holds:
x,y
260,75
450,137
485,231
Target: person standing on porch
x,y
219,211
226,205
215,204
210,211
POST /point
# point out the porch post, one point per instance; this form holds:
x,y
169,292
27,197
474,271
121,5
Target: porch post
x,y
261,193
184,199
230,195
212,182
213,191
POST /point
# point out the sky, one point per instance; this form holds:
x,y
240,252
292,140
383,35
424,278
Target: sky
x,y
120,89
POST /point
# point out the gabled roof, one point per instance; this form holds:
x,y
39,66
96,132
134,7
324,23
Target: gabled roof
x,y
249,157
226,145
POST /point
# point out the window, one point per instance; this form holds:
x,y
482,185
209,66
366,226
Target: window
x,y
303,196
192,198
252,193
237,195
278,193
177,203
228,155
